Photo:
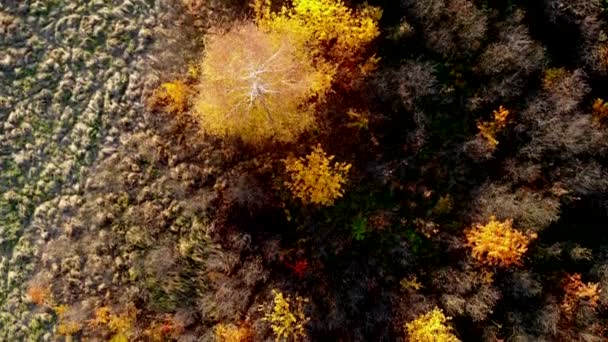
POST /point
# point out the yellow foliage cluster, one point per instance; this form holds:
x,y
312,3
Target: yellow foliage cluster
x,y
287,318
121,324
254,85
489,130
68,328
498,243
430,327
600,110
552,75
172,97
314,180
232,333
410,283
576,292
336,37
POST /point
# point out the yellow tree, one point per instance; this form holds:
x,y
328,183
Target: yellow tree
x,y
254,85
314,180
286,316
335,36
430,327
498,243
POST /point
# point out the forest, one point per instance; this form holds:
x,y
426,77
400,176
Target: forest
x,y
303,170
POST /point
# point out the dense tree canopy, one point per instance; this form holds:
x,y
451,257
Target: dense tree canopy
x,y
332,170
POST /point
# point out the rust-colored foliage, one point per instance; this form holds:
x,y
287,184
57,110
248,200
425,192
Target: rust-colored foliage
x,y
299,268
600,111
489,130
498,243
577,293
430,327
233,333
39,295
163,330
314,180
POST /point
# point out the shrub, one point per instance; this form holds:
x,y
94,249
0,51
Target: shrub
x,y
286,317
39,295
172,97
232,333
552,75
68,328
314,180
600,110
121,325
577,292
430,327
489,130
255,85
497,243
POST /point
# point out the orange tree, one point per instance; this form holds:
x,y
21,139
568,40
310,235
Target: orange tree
x,y
498,243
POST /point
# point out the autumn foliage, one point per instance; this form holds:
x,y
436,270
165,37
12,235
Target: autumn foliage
x,y
39,295
255,85
314,179
600,110
489,130
172,97
430,327
578,293
286,316
498,243
335,36
232,333
261,81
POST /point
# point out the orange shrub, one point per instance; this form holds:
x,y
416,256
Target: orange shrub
x,y
314,180
232,333
497,243
600,110
39,295
578,292
489,130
